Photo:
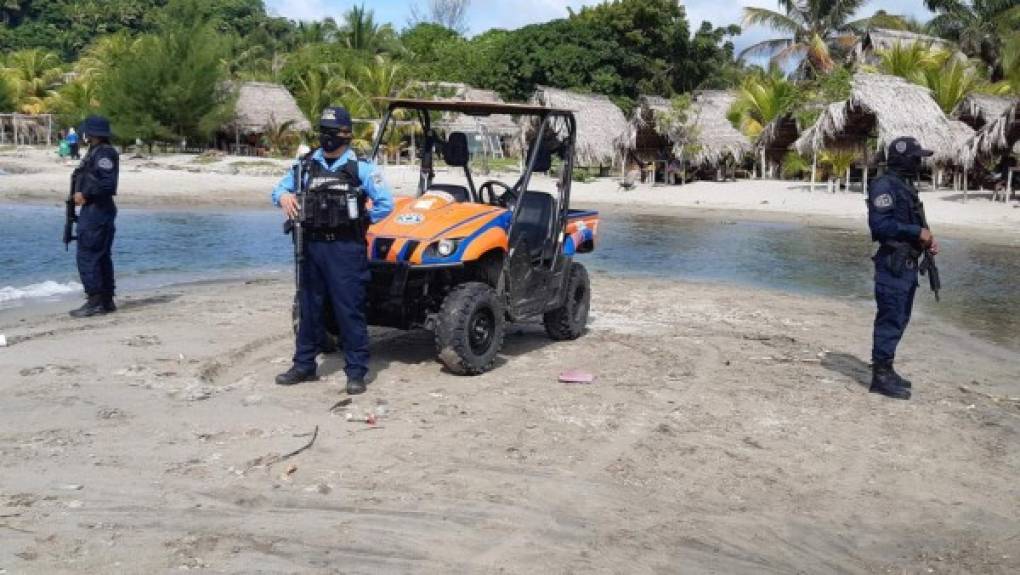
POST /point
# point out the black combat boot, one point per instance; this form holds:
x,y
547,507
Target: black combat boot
x,y
93,306
108,305
294,376
885,382
356,385
904,382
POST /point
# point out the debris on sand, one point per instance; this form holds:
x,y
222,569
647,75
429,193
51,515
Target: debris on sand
x,y
577,376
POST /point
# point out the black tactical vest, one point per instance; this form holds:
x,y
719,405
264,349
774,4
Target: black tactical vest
x,y
334,201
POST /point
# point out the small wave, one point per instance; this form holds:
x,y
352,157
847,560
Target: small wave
x,y
47,288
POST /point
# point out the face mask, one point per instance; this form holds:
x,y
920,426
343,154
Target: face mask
x,y
332,142
905,165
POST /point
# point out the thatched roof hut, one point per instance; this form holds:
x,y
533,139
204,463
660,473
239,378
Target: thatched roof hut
x,y
776,138
458,92
976,110
602,129
884,107
644,140
880,39
260,104
714,134
999,135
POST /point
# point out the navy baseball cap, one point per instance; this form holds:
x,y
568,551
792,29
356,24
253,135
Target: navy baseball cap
x,y
335,117
908,147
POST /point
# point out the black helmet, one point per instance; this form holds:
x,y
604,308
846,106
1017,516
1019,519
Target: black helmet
x,y
96,127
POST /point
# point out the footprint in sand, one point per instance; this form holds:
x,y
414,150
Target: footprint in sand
x,y
142,341
50,368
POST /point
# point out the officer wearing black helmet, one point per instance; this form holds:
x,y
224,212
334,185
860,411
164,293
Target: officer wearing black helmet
x,y
897,222
95,184
335,221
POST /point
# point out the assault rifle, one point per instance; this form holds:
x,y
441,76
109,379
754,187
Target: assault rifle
x,y
928,266
70,217
294,227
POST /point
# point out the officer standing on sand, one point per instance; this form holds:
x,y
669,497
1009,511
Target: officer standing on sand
x,y
95,184
896,219
336,258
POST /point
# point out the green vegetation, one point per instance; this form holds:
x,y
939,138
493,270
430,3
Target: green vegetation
x,y
761,99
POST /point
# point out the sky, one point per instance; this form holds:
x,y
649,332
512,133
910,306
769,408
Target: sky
x,y
486,14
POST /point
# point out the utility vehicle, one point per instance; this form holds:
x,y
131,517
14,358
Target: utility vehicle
x,y
464,260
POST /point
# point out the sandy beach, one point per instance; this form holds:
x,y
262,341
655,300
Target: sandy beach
x,y
185,181
728,430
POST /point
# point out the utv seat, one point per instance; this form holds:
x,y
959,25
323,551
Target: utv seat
x,y
459,193
533,223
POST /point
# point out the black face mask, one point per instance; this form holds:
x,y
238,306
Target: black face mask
x,y
332,141
905,165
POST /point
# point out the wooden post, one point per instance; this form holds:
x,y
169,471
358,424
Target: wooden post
x,y
14,122
935,182
49,130
763,163
965,185
814,169
848,178
864,179
1009,185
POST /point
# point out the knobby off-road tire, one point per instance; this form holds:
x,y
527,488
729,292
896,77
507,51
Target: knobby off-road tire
x,y
470,328
332,343
568,322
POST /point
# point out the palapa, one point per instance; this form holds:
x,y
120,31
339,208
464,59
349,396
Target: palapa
x,y
715,136
602,130
644,136
458,92
881,39
260,104
885,107
999,135
976,110
777,137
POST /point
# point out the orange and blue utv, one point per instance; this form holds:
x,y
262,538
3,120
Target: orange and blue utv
x,y
464,260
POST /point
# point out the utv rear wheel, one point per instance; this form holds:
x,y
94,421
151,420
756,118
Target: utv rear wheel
x,y
568,322
469,331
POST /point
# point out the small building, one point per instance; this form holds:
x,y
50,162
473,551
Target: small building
x,y
649,147
603,133
259,106
495,136
717,143
976,110
880,39
1000,136
774,142
884,108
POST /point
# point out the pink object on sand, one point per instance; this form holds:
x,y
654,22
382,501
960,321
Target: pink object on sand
x,y
576,376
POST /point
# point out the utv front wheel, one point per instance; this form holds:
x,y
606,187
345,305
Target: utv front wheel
x,y
469,331
568,322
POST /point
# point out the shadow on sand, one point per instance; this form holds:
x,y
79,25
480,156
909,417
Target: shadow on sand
x,y
850,366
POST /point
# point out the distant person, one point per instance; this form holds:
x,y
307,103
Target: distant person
x,y
336,253
897,223
95,185
72,141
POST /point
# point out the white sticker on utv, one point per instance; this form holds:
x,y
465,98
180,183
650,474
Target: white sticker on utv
x,y
410,219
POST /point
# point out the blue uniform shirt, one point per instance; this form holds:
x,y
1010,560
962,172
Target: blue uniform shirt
x,y
72,138
99,173
369,174
891,210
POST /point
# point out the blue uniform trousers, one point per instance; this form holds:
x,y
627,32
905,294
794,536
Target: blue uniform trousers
x,y
95,246
894,297
338,270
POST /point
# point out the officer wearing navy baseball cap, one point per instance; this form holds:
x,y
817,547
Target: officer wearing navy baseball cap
x,y
94,182
897,222
337,186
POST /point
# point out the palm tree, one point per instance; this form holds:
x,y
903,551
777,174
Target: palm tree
x,y
361,32
318,88
318,32
813,29
34,74
978,26
103,54
1011,61
74,101
760,100
281,136
950,83
380,78
909,60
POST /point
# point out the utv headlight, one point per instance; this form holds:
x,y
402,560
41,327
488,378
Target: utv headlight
x,y
445,248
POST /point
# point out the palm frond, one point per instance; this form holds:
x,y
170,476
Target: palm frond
x,y
779,22
766,47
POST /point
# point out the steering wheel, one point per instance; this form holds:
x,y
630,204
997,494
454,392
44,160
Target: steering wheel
x,y
505,199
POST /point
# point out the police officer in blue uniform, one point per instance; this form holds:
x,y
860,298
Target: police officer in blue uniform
x,y
95,184
896,219
336,258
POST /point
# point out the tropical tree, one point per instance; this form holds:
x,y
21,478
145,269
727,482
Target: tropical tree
x,y
950,83
380,78
1011,61
838,161
33,74
75,101
317,88
8,99
450,14
978,26
361,32
9,10
908,60
761,99
281,137
813,30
